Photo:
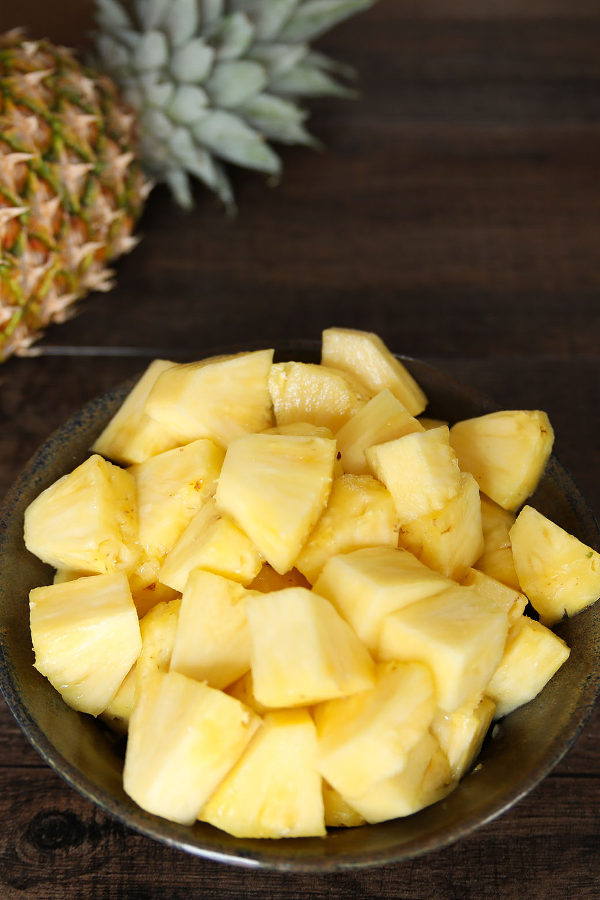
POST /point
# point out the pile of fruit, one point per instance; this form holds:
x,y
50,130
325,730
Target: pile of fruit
x,y
303,601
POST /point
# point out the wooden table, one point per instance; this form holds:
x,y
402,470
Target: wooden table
x,y
456,211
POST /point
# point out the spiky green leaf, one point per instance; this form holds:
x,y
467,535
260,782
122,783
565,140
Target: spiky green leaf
x,y
151,14
230,138
306,81
151,53
234,36
278,58
232,83
110,15
182,21
192,62
276,118
314,17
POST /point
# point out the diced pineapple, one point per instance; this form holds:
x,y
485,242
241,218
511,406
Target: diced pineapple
x,y
118,712
86,637
275,487
243,690
558,573
462,733
380,420
428,423
172,487
302,650
420,470
306,392
158,629
367,584
458,633
533,654
274,791
365,355
147,591
506,451
184,737
360,513
215,543
451,539
212,642
368,736
270,580
339,813
514,602
218,398
306,429
497,559
86,521
132,436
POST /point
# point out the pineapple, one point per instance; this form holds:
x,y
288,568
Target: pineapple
x,y
458,633
302,650
243,690
506,451
497,559
132,436
305,392
360,513
275,487
86,637
462,732
365,355
533,654
158,629
513,602
147,591
338,813
380,420
118,712
449,540
270,580
220,398
420,470
274,790
367,584
184,737
557,572
212,641
87,520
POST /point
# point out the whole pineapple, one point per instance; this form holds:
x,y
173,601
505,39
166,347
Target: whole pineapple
x,y
70,188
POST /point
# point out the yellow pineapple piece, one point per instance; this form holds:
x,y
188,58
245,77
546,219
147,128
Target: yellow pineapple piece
x,y
428,423
558,573
339,813
533,654
146,589
420,470
380,420
458,633
218,398
212,642
274,790
270,580
158,629
514,602
86,521
367,584
118,712
365,355
302,650
497,559
86,637
368,736
462,732
449,540
506,451
306,429
307,392
184,737
360,513
275,487
171,488
243,690
132,436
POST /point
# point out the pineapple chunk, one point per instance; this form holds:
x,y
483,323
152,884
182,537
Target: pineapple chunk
x,y
365,355
270,580
558,573
146,590
86,521
533,654
184,737
360,513
243,690
339,813
118,712
274,790
215,543
302,650
368,736
132,436
497,559
428,423
458,633
451,539
218,398
365,585
158,629
381,420
306,392
461,733
212,642
275,487
513,602
420,470
86,637
172,487
506,451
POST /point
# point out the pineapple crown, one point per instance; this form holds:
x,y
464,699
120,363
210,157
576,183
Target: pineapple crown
x,y
214,81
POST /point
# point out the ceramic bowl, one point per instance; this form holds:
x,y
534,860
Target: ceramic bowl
x,y
524,747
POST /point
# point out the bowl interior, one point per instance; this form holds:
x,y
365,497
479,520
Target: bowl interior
x,y
523,749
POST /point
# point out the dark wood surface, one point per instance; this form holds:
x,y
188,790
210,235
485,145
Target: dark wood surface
x,y
456,211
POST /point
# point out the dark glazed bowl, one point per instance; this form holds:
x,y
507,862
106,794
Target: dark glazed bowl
x,y
526,745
